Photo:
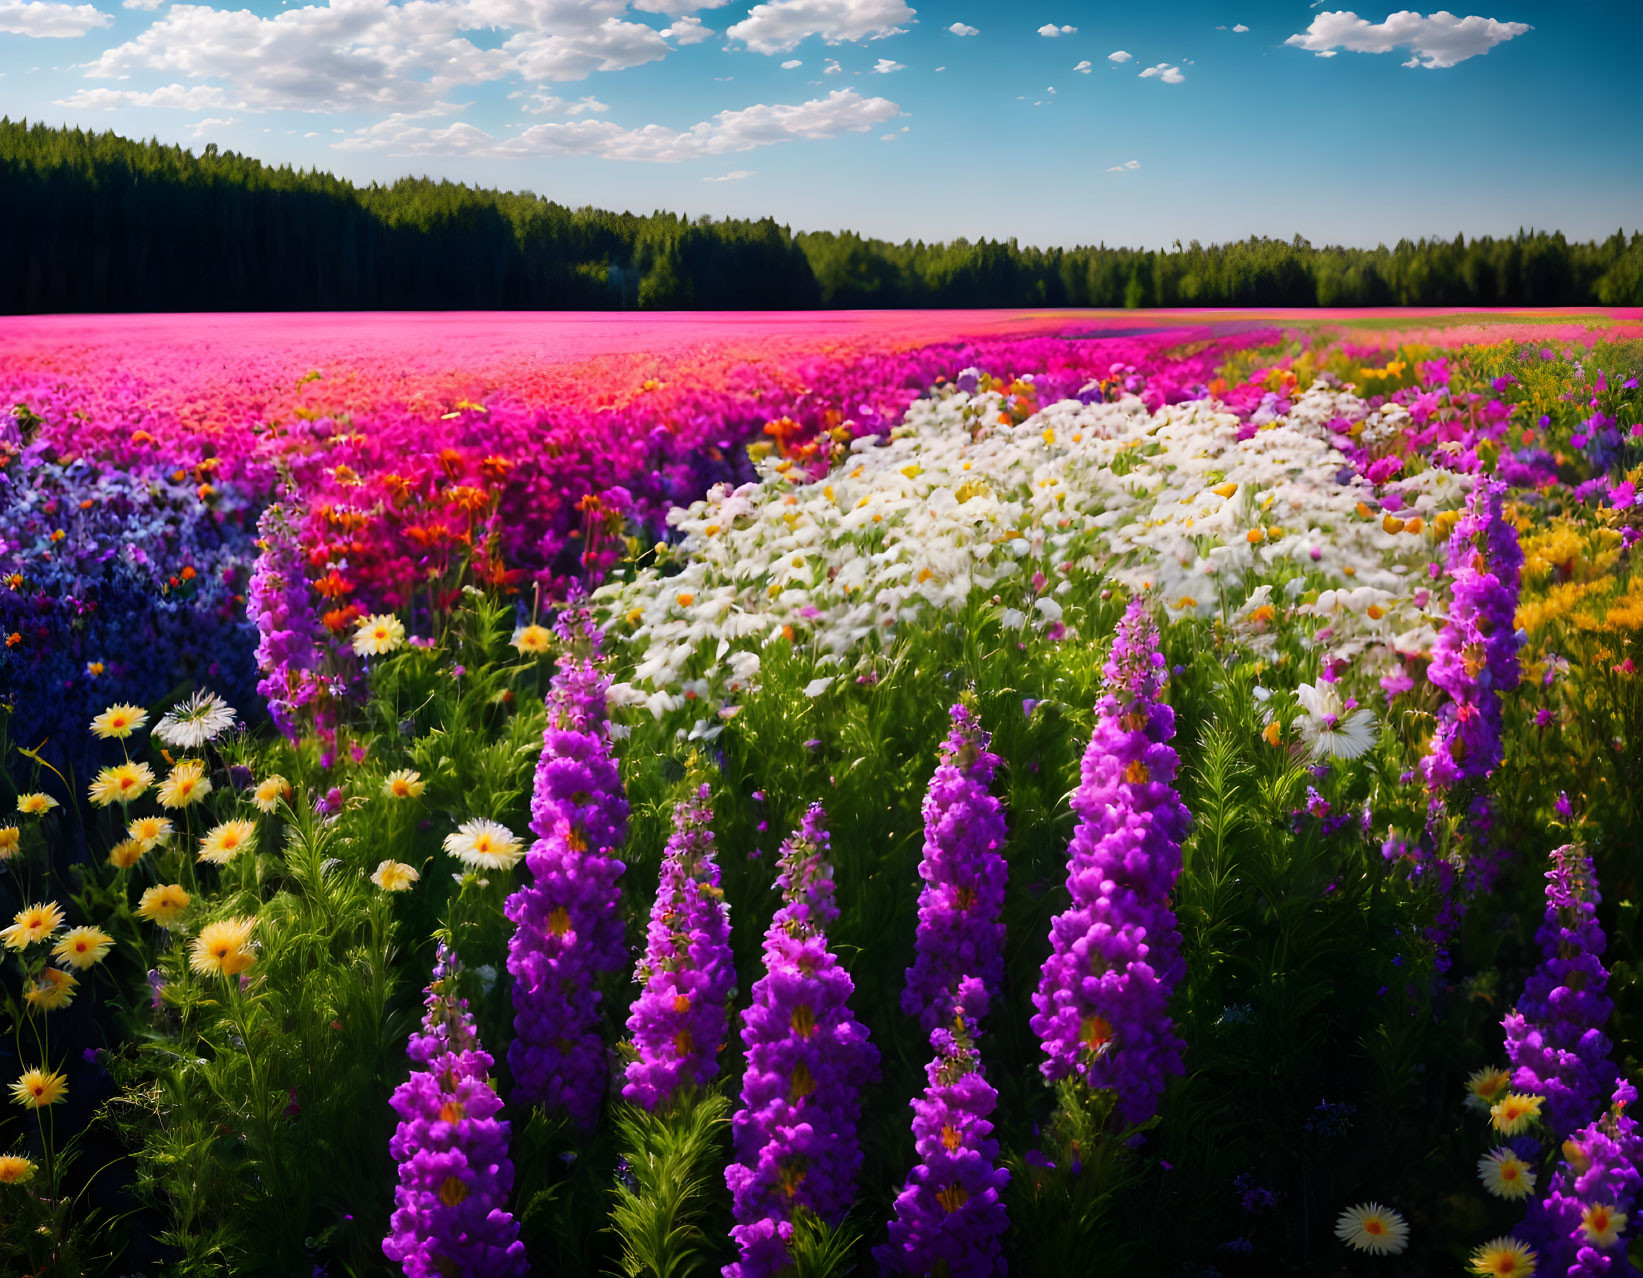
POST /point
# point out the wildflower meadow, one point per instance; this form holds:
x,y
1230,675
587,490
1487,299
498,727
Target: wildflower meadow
x,y
950,795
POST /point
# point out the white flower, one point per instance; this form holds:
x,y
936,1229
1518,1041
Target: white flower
x,y
485,845
203,717
1330,729
818,686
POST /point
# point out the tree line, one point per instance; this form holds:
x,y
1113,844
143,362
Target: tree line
x,y
97,222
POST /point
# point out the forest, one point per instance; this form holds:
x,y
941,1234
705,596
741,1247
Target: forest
x,y
97,222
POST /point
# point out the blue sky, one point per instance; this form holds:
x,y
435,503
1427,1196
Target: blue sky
x,y
1053,121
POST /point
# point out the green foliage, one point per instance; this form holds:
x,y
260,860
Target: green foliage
x,y
674,1159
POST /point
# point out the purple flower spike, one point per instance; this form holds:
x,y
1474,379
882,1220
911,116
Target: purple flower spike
x,y
1103,996
279,604
807,1061
450,1208
949,1215
680,1018
568,933
960,908
1602,1166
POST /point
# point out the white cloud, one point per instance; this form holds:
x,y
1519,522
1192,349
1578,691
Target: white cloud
x,y
779,25
677,8
735,175
832,67
1438,41
175,97
791,63
1119,56
141,4
1165,72
49,21
582,106
960,29
1240,28
1125,167
885,66
688,30
1083,68
1052,32
842,111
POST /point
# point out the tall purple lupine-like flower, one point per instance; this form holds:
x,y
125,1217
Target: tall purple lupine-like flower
x,y
1103,996
807,1061
960,928
1583,1225
949,1216
450,1209
1554,1037
680,1018
278,602
567,931
1475,658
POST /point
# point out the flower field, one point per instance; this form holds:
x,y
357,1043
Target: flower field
x,y
935,796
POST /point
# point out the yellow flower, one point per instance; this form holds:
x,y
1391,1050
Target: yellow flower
x,y
1512,1112
150,831
121,784
378,634
119,721
269,792
1503,1258
1486,1086
186,785
35,804
35,923
222,844
1373,1228
1602,1225
11,839
394,876
37,1088
404,784
1273,733
1505,1175
126,853
15,1169
82,947
162,904
532,640
223,946
53,989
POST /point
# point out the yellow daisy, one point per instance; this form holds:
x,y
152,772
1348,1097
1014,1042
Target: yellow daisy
x,y
82,947
186,785
150,831
15,1169
1503,1258
163,903
119,721
223,946
35,804
1602,1225
126,853
11,838
485,845
1505,1175
35,923
222,844
404,784
121,784
1373,1228
378,634
395,876
1486,1086
1513,1112
37,1088
53,989
270,791
532,640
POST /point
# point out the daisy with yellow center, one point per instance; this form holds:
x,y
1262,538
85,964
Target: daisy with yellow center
x,y
1513,1112
119,722
163,904
186,785
37,1089
35,804
1373,1228
377,635
1503,1258
404,784
1505,1175
485,845
532,640
1486,1086
126,853
35,923
82,947
121,784
11,838
395,876
227,841
15,1169
52,989
150,831
1602,1225
223,946
269,792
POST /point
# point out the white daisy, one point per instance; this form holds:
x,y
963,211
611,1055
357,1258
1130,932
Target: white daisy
x,y
203,717
1329,728
485,845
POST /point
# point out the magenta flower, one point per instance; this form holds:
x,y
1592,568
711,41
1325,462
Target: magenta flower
x,y
1602,1166
279,604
